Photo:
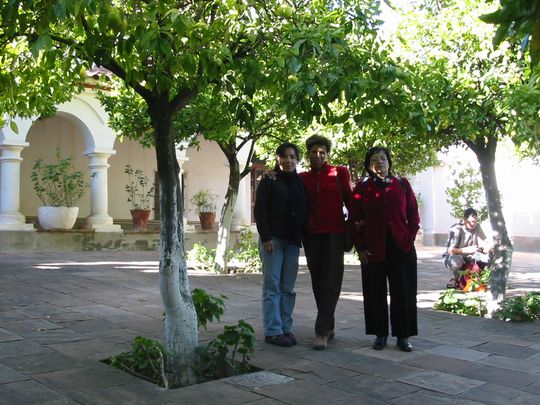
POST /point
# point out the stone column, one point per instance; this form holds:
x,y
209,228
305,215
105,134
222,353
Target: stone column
x,y
99,219
10,188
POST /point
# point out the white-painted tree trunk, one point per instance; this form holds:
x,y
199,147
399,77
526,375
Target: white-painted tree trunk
x,y
224,231
180,322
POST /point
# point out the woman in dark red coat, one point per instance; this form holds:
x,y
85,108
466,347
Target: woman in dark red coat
x,y
384,215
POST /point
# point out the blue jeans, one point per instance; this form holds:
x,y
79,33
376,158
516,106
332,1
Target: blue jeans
x,y
279,276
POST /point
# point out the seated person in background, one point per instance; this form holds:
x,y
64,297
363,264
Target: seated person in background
x,y
466,244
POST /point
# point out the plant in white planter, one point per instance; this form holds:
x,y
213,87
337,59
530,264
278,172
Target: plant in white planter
x,y
59,186
140,195
205,203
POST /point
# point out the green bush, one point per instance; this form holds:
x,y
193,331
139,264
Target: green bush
x,y
228,354
467,191
207,306
524,308
145,360
246,254
201,257
461,303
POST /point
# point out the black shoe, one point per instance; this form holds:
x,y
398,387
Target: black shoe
x,y
278,340
404,344
291,337
380,342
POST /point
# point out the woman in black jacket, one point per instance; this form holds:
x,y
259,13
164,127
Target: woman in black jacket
x,y
280,213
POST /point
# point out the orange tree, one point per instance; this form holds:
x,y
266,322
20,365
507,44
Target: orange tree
x,y
170,52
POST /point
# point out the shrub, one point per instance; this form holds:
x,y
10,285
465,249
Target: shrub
x,y
461,303
524,308
58,184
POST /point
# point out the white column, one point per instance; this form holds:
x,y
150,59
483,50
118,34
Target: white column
x,y
242,208
10,188
181,158
99,219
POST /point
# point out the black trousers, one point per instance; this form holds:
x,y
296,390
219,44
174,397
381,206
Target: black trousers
x,y
324,255
400,269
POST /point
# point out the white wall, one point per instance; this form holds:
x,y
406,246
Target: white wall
x,y
516,180
207,168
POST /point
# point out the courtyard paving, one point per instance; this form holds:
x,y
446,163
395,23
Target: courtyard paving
x,y
61,313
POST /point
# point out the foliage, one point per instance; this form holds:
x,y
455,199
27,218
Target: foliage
x,y
467,191
170,52
138,194
204,201
220,355
207,306
244,258
145,360
520,18
245,255
58,184
524,308
461,303
147,357
201,257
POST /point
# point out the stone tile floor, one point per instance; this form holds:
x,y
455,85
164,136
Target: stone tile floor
x,y
60,313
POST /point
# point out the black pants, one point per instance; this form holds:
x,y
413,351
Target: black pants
x,y
324,254
400,269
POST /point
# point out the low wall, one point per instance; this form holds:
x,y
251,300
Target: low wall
x,y
86,240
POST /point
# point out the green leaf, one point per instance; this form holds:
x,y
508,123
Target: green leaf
x,y
13,126
60,9
501,33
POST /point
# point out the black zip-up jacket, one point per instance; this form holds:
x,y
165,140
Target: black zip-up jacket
x,y
281,208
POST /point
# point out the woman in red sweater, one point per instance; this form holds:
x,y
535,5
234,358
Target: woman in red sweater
x,y
385,213
327,187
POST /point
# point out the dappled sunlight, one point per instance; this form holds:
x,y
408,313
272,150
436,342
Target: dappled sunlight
x,y
352,296
142,266
426,299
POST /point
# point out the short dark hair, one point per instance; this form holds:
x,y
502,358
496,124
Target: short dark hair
x,y
371,152
318,140
280,151
470,211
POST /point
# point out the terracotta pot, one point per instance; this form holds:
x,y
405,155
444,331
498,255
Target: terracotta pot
x,y
140,219
207,220
57,217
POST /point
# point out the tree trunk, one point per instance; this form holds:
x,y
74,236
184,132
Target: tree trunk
x,y
180,323
502,245
225,220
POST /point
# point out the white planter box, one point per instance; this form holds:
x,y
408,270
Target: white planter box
x,y
57,217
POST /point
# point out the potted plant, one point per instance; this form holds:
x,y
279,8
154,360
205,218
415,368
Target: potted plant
x,y
140,195
204,202
59,186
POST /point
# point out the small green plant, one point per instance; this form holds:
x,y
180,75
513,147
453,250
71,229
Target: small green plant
x,y
138,189
523,308
207,306
229,352
58,184
201,257
246,254
467,191
461,303
145,360
204,201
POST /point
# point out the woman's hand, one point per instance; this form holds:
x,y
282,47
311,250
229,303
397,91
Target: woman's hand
x,y
363,255
268,246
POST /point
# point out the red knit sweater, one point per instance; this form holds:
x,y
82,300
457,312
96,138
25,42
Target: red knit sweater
x,y
325,202
393,208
